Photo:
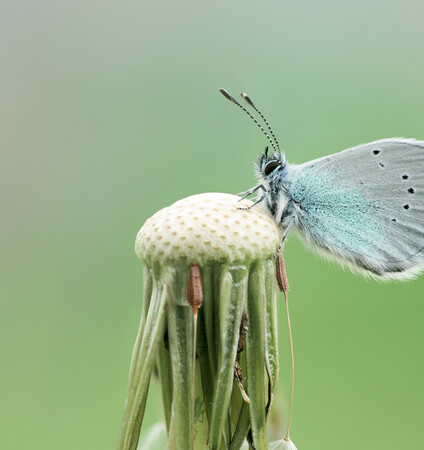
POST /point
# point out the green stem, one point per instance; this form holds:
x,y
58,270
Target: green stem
x,y
209,308
233,286
255,355
242,428
180,320
165,377
147,295
206,372
271,353
137,394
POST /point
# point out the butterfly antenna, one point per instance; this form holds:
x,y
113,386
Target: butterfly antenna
x,y
247,99
226,94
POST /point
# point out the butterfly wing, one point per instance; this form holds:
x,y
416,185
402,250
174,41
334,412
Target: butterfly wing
x,y
365,206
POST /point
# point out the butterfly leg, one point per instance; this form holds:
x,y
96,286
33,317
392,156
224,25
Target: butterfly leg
x,y
245,194
246,208
290,223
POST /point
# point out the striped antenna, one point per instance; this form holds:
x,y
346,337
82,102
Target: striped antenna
x,y
227,95
245,97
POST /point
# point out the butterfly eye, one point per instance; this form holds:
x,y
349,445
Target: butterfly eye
x,y
270,167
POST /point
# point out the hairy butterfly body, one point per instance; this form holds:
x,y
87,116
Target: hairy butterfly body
x,y
363,206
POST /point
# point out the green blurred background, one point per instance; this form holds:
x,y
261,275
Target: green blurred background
x,y
110,111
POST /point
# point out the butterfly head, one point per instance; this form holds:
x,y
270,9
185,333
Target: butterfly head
x,y
269,166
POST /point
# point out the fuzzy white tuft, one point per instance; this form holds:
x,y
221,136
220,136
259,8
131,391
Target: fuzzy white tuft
x,y
282,444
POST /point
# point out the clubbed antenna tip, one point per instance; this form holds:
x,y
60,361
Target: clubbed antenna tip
x,y
226,94
245,97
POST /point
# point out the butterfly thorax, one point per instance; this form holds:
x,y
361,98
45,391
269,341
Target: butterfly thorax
x,y
277,197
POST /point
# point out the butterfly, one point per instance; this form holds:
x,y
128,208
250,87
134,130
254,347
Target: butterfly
x,y
363,207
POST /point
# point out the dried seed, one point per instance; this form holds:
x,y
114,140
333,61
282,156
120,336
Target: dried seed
x,y
281,274
195,288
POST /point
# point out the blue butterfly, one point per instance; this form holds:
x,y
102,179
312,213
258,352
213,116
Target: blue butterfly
x,y
363,207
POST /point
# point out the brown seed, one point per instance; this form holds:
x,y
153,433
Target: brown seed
x,y
280,271
195,288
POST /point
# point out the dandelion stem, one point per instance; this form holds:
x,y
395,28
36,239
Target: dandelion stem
x,y
233,288
193,382
195,300
147,351
257,385
165,376
292,365
180,346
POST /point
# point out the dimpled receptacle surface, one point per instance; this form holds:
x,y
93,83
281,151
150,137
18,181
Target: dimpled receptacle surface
x,y
207,227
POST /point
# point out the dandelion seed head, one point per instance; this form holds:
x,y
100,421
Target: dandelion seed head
x,y
208,227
